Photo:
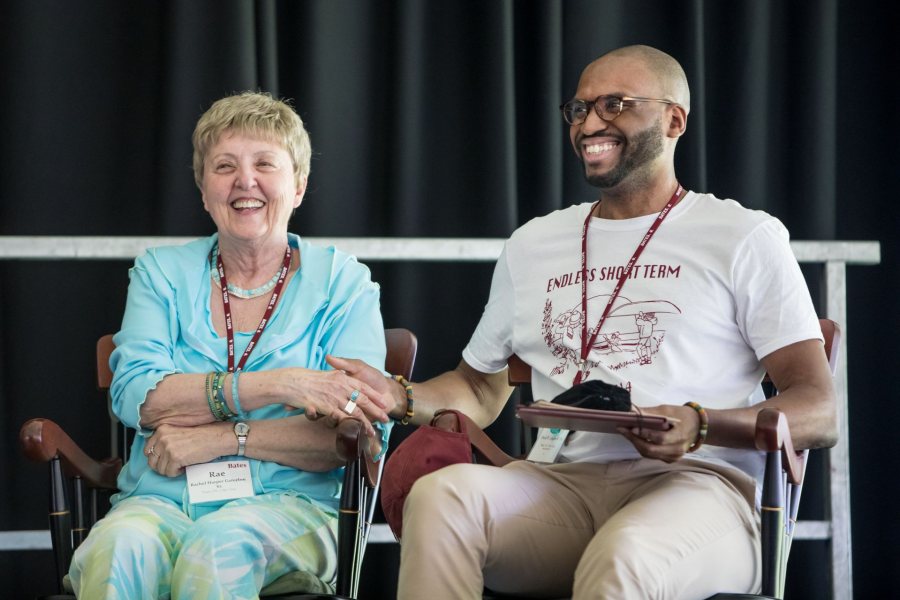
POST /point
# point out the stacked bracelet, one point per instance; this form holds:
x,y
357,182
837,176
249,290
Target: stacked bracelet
x,y
215,397
409,399
704,426
211,395
221,403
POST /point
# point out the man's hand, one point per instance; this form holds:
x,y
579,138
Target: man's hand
x,y
670,445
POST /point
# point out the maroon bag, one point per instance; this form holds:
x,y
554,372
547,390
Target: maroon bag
x,y
449,439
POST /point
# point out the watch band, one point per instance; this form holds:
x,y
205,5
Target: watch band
x,y
241,430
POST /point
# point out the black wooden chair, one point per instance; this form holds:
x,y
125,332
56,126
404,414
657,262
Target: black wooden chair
x,y
80,486
782,482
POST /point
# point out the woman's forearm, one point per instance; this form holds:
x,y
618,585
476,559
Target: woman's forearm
x,y
182,398
294,442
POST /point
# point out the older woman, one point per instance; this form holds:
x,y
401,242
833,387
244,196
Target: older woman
x,y
220,368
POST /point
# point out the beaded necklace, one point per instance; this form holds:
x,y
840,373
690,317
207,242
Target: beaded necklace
x,y
226,305
235,290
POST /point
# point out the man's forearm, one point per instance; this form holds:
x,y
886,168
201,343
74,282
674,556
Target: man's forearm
x,y
481,396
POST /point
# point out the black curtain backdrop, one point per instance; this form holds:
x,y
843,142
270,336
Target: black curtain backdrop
x,y
430,118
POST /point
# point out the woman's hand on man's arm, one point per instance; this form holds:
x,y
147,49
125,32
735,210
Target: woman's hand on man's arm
x,y
479,395
333,395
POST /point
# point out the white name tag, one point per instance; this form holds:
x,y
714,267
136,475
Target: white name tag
x,y
216,481
548,444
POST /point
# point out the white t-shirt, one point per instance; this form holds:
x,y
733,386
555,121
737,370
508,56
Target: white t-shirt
x,y
716,289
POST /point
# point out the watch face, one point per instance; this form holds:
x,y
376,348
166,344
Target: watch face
x,y
241,428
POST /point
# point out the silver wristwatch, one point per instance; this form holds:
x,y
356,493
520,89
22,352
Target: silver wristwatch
x,y
241,430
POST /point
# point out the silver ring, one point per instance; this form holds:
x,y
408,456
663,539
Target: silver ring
x,y
354,395
351,406
152,450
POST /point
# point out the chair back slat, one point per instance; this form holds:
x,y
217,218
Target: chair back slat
x,y
832,334
519,372
105,347
401,351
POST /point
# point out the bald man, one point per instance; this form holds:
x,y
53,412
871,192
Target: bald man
x,y
639,514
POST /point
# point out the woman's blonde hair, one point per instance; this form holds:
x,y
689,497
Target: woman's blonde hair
x,y
255,114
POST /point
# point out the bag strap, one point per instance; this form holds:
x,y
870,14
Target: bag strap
x,y
485,448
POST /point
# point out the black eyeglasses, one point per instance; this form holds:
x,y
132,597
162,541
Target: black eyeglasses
x,y
606,107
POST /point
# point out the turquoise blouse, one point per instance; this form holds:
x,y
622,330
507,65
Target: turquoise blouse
x,y
330,306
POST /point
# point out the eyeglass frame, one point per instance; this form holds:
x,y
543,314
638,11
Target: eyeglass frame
x,y
589,104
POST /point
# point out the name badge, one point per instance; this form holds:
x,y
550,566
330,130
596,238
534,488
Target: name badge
x,y
216,481
548,444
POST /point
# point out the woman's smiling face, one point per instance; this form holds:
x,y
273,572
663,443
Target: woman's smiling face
x,y
249,188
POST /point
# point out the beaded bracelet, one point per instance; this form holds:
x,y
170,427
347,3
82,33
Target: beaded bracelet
x,y
218,382
211,395
221,403
409,399
704,426
215,398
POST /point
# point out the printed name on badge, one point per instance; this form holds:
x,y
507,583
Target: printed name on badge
x,y
217,481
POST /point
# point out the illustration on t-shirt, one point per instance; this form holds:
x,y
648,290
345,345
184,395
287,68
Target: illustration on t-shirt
x,y
632,334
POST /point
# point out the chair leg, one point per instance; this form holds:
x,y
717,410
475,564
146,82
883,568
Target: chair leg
x,y
60,522
772,521
79,526
348,525
359,541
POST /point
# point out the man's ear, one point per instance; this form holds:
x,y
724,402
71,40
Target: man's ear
x,y
677,121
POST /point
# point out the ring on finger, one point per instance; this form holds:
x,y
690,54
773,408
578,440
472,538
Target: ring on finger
x,y
354,395
351,406
152,451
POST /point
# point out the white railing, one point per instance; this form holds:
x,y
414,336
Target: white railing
x,y
835,256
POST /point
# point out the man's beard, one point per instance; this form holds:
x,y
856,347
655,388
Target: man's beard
x,y
642,150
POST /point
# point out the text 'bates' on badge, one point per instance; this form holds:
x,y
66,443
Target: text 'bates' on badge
x,y
216,481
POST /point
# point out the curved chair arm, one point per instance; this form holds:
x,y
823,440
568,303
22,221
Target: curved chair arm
x,y
773,434
42,440
352,443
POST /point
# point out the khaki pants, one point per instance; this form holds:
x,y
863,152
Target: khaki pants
x,y
628,529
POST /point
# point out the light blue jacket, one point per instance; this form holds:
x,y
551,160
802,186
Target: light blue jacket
x,y
330,306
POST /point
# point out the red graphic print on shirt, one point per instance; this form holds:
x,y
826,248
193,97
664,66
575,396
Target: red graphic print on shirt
x,y
632,335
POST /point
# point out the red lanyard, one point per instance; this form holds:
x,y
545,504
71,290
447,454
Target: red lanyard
x,y
588,341
229,327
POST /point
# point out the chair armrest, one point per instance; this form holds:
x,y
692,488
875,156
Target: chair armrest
x,y
773,434
352,443
43,440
